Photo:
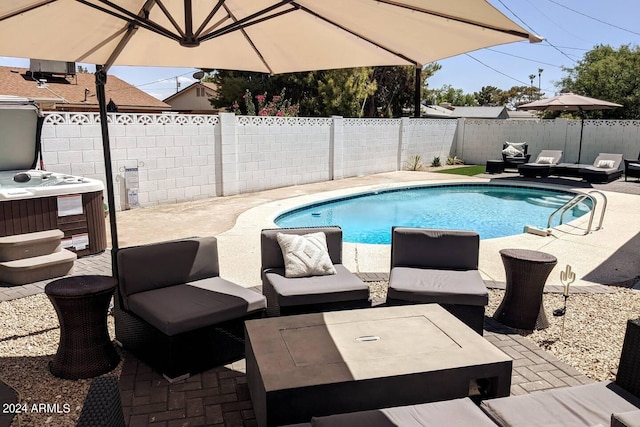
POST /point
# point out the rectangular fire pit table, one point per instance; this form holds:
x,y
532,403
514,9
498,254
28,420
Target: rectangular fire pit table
x,y
335,362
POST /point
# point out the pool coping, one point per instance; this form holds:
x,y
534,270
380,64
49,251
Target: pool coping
x,y
591,263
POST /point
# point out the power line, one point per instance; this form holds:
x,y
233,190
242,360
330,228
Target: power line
x,y
500,72
533,31
522,57
154,82
595,19
559,26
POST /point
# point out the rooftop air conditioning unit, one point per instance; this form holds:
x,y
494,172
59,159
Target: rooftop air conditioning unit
x,y
52,67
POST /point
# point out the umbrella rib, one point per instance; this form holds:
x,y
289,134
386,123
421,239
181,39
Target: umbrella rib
x,y
132,18
208,19
26,9
253,46
169,17
360,36
104,42
453,18
248,20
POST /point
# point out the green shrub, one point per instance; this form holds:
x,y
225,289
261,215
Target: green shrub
x,y
436,162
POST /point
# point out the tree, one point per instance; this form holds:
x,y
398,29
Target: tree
x,y
81,69
608,74
489,96
394,91
318,93
453,96
343,92
517,95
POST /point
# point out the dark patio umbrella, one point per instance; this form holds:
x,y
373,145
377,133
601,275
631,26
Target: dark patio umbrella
x,y
570,102
267,36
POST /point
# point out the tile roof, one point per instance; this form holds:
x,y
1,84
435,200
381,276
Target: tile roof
x,y
210,88
70,91
480,112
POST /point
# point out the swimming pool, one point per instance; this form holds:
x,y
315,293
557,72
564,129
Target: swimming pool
x,y
489,209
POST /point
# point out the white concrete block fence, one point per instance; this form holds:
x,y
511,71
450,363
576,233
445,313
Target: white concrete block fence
x,y
188,157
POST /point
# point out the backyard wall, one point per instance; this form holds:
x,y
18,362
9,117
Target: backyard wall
x,y
481,140
168,158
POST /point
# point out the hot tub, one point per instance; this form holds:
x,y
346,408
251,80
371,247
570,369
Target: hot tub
x,y
35,200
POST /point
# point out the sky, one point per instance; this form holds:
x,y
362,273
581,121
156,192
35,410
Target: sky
x,y
570,28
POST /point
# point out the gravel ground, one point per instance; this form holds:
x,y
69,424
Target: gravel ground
x,y
29,335
589,337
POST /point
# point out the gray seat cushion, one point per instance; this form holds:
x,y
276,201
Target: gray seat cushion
x,y
626,419
169,263
457,412
587,405
464,287
182,308
342,286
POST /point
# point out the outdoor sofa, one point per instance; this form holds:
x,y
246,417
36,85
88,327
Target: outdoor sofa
x,y
438,266
309,293
606,403
631,168
174,311
602,403
543,165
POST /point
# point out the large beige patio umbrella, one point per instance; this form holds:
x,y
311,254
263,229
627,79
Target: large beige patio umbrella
x,y
253,35
570,102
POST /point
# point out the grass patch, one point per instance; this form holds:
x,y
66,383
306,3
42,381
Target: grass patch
x,y
464,170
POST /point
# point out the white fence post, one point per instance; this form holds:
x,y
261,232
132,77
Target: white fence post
x,y
336,148
227,178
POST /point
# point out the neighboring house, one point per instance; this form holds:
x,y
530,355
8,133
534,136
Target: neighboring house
x,y
480,112
60,91
194,99
523,115
435,112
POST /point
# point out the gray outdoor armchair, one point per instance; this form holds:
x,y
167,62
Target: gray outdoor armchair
x,y
296,295
514,154
631,168
438,266
174,311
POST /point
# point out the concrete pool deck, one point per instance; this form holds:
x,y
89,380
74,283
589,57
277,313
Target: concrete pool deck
x,y
607,256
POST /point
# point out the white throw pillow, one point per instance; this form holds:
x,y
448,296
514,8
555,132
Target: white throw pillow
x,y
305,255
545,160
605,164
512,151
516,145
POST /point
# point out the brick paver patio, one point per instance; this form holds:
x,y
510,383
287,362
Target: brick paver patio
x,y
220,396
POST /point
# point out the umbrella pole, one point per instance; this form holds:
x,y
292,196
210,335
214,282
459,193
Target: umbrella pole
x,y
101,80
417,95
581,129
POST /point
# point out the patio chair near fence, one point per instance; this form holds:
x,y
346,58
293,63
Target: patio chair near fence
x,y
514,154
438,266
631,168
606,167
311,291
543,165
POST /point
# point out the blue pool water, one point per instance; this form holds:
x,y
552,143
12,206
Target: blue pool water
x,y
491,210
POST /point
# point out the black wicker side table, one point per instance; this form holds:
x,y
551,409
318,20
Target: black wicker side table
x,y
526,273
494,166
85,349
